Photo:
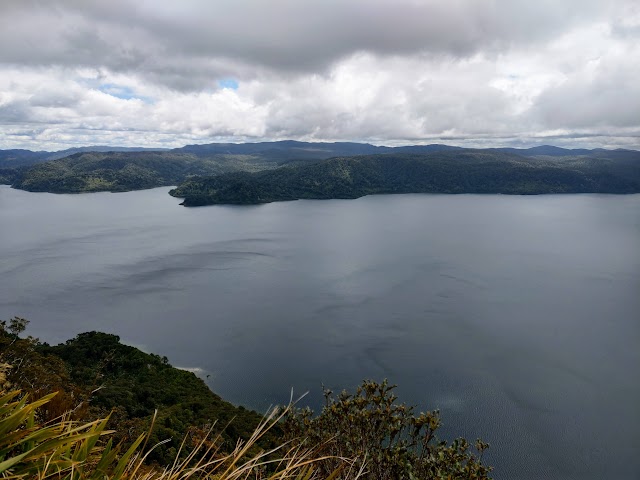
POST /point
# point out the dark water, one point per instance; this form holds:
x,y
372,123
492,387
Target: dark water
x,y
518,317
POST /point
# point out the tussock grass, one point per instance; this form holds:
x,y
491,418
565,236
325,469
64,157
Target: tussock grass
x,y
66,449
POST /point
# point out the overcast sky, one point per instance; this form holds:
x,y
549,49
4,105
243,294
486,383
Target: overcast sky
x,y
462,72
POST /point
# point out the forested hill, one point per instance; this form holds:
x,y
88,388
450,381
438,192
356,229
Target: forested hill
x,y
134,169
453,171
20,157
82,170
122,171
196,434
96,375
287,150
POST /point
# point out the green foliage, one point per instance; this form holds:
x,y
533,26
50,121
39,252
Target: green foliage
x,y
35,372
59,449
69,450
410,169
124,171
15,327
9,175
136,384
459,171
102,384
97,376
387,440
18,158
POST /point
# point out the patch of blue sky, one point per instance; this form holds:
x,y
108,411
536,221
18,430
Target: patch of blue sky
x,y
122,91
231,83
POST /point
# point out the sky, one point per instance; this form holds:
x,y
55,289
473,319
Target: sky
x,y
476,73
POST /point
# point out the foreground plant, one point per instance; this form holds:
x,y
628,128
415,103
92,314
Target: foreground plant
x,y
384,437
60,449
64,449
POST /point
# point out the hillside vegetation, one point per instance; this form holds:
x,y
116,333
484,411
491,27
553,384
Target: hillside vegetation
x,y
94,169
457,171
124,171
344,170
97,375
101,424
20,157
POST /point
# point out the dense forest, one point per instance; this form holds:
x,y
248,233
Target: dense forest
x,y
122,171
94,169
453,171
96,377
293,170
97,373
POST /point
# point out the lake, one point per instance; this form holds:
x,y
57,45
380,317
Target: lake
x,y
517,316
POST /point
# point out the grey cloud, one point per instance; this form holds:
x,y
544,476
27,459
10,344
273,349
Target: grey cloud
x,y
611,98
482,72
286,36
15,112
54,99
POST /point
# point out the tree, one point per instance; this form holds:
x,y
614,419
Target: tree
x,y
24,367
385,439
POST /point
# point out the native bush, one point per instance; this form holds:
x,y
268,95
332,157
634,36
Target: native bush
x,y
386,439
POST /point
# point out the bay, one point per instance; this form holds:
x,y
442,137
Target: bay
x,y
517,316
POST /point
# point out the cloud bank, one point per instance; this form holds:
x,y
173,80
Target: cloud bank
x,y
163,74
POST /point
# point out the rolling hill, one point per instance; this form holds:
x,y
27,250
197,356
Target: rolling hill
x,y
123,171
427,168
453,171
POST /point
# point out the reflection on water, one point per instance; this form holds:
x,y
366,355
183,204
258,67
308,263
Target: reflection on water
x,y
518,317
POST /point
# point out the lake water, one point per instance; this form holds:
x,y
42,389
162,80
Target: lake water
x,y
518,317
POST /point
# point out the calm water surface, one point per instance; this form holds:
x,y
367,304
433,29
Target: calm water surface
x,y
517,317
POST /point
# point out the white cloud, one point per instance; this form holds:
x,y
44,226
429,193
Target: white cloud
x,y
470,73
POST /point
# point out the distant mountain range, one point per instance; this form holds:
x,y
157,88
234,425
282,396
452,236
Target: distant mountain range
x,y
18,157
281,151
286,170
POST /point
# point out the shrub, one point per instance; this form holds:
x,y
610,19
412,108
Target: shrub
x,y
64,449
384,437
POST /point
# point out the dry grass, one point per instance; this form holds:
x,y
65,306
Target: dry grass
x,y
65,449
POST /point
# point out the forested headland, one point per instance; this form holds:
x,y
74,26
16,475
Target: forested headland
x,y
93,407
254,173
452,172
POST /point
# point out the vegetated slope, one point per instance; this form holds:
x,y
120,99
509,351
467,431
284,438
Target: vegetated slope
x,y
269,152
127,169
134,169
288,150
136,383
97,375
20,157
459,171
124,171
100,148
15,163
265,152
94,375
11,175
548,150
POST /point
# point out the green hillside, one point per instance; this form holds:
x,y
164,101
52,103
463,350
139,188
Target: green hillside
x,y
97,375
318,170
125,171
461,171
